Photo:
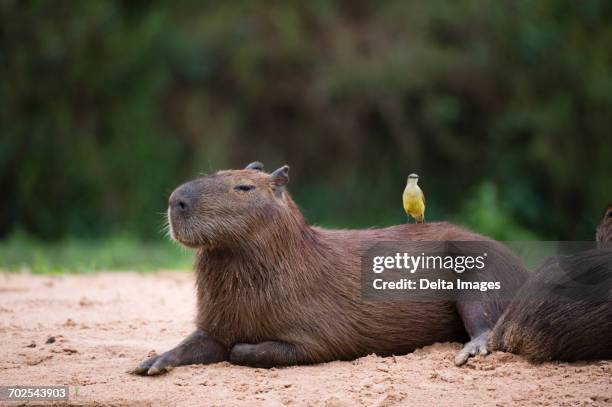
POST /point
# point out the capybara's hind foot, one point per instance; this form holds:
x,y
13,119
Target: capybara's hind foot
x,y
197,348
265,354
477,346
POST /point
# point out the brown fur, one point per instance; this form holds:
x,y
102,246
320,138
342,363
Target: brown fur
x,y
604,229
564,311
264,274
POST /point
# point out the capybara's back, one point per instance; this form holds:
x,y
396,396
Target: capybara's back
x,y
564,312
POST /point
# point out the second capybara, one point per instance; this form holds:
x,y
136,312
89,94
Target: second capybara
x,y
564,311
604,229
273,290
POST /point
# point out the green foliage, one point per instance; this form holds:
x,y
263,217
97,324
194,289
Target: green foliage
x,y
485,212
502,108
85,256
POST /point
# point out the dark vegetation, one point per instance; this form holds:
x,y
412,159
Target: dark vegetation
x,y
503,108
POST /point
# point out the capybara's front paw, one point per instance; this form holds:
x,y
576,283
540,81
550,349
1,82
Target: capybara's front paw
x,y
265,354
197,348
156,365
244,354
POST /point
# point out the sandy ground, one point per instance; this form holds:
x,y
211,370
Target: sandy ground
x,y
105,324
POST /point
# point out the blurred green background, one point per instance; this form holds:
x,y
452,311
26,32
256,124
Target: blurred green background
x,y
503,108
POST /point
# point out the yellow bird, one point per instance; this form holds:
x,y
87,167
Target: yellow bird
x,y
414,199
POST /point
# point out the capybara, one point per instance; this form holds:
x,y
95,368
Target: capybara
x,y
604,229
564,311
273,290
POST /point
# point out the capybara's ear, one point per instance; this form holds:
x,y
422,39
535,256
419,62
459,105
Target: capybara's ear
x,y
255,165
280,178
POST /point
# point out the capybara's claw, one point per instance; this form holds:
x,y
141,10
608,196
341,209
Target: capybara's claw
x,y
477,346
153,366
161,365
143,367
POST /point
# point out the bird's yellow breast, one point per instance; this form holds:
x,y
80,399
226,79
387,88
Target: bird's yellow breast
x,y
414,204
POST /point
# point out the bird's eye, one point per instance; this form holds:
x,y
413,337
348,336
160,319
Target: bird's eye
x,y
609,214
244,188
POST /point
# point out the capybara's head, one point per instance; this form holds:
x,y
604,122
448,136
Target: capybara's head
x,y
228,207
604,229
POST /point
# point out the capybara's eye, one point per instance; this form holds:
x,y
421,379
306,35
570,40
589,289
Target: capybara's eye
x,y
244,188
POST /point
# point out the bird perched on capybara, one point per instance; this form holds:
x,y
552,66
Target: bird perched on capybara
x,y
273,290
413,199
564,311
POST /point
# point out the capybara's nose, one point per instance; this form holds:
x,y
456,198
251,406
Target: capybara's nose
x,y
179,202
